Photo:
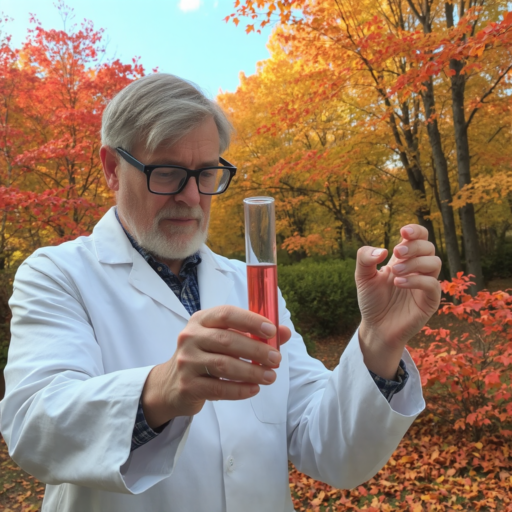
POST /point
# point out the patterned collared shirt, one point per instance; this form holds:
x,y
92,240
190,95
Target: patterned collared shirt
x,y
187,291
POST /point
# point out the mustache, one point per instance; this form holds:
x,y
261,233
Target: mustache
x,y
181,212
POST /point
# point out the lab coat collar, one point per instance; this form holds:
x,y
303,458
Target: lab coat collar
x,y
111,243
113,247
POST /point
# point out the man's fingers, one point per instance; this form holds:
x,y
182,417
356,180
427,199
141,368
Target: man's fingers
x,y
238,345
426,265
410,249
430,285
226,367
367,260
232,317
414,232
284,334
216,389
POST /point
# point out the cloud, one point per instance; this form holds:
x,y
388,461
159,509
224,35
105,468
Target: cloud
x,y
189,5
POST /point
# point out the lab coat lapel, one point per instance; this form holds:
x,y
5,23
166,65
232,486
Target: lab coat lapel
x,y
214,285
113,247
146,280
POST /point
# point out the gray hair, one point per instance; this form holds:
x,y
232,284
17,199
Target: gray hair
x,y
157,108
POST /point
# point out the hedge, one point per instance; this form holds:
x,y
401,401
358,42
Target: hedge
x,y
321,296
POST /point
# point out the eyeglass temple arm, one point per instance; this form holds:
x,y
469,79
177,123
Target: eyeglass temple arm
x,y
130,159
225,162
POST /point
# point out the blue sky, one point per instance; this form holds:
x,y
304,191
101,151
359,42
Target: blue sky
x,y
186,37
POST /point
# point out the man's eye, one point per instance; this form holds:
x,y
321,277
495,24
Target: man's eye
x,y
209,175
166,174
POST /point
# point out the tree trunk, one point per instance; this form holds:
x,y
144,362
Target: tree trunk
x,y
471,247
445,194
416,180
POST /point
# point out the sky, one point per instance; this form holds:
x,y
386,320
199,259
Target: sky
x,y
185,37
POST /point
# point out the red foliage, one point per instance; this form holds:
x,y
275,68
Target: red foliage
x,y
458,454
467,378
52,94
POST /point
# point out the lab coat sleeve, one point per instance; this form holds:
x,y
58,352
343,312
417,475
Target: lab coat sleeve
x,y
63,418
341,429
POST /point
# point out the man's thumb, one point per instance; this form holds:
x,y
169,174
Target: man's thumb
x,y
367,260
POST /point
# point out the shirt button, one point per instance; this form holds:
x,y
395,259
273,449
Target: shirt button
x,y
159,269
230,464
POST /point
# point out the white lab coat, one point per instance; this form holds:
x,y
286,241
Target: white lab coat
x,y
90,320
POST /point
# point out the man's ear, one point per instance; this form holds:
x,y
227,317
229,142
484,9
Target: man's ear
x,y
111,169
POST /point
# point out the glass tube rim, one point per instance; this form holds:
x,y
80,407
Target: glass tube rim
x,y
257,200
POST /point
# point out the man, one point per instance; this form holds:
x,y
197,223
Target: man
x,y
128,381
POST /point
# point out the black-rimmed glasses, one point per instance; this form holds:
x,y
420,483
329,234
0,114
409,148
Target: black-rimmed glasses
x,y
172,179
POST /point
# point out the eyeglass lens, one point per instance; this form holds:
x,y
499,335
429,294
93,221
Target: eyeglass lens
x,y
165,180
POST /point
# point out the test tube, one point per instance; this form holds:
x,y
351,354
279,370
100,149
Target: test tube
x,y
261,258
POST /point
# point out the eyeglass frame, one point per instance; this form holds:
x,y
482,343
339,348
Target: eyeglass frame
x,y
148,169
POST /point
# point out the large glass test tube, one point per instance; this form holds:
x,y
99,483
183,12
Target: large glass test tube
x,y
261,258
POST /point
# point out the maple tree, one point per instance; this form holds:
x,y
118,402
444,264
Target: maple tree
x,y
332,183
55,88
434,74
52,94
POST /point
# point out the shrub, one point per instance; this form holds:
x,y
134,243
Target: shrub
x,y
467,378
321,296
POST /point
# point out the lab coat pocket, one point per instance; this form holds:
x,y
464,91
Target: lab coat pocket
x,y
270,404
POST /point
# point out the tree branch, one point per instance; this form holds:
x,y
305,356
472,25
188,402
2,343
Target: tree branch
x,y
488,93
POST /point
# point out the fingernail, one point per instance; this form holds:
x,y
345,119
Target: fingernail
x,y
402,250
399,267
409,231
254,389
268,329
377,252
268,376
400,280
274,357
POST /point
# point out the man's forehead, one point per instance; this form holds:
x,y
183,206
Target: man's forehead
x,y
202,143
173,153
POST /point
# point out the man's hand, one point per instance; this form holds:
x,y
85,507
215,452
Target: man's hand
x,y
397,301
207,364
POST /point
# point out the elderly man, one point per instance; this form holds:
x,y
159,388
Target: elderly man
x,y
128,381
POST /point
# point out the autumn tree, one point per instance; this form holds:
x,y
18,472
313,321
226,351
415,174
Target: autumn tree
x,y
52,94
432,72
331,178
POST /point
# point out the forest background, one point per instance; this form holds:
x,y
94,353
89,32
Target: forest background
x,y
368,115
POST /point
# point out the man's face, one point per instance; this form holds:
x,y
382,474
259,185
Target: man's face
x,y
170,227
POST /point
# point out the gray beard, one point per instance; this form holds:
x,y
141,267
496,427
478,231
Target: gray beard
x,y
170,247
163,248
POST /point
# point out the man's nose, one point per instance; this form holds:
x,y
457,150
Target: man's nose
x,y
190,194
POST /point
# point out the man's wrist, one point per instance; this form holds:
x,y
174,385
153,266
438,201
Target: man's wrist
x,y
379,358
155,411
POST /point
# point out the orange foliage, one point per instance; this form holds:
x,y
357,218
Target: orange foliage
x,y
396,67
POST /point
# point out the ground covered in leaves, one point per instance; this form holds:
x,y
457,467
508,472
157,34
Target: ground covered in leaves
x,y
18,491
435,468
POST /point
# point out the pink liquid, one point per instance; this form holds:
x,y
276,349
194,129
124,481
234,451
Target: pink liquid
x,y
262,284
